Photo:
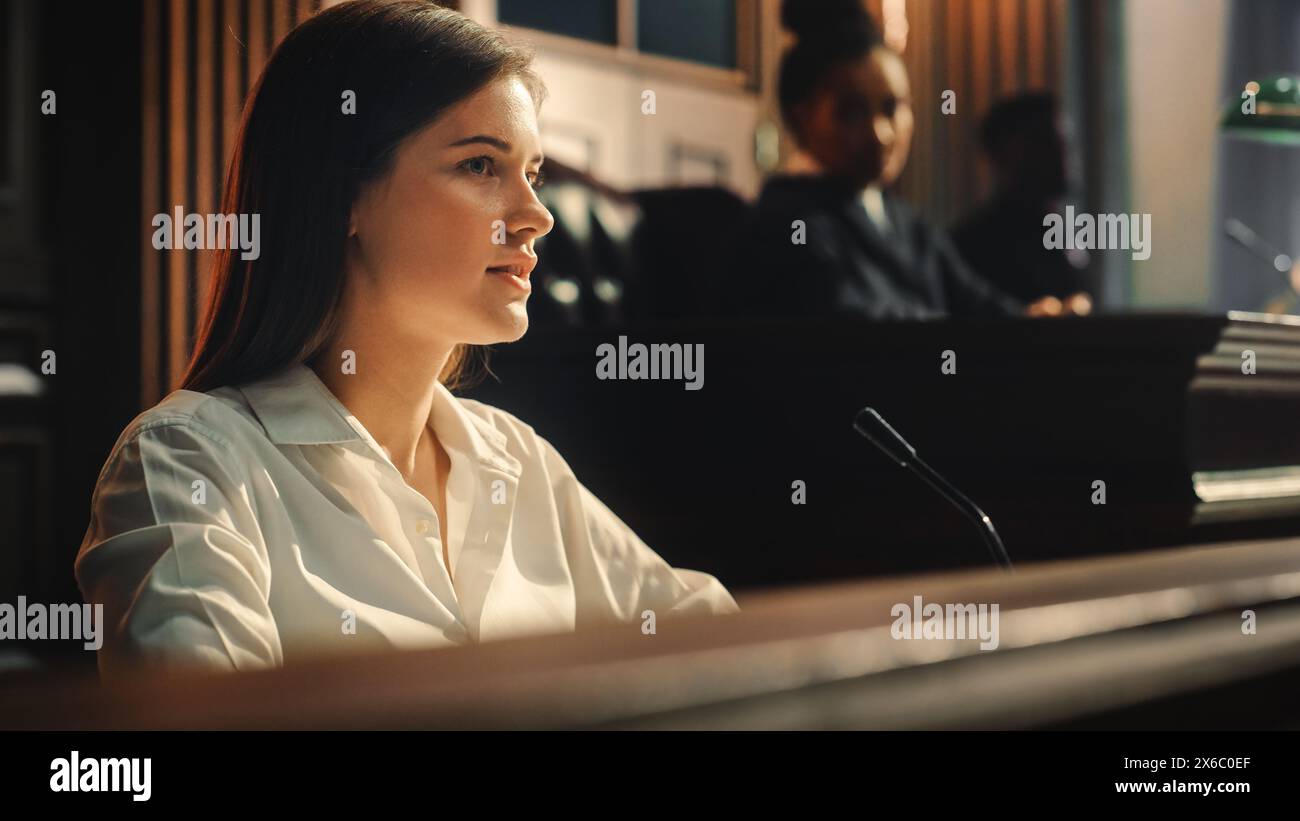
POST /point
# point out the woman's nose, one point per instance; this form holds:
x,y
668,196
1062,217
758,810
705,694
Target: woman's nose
x,y
532,219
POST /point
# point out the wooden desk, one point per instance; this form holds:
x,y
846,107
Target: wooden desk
x,y
1191,449
1077,638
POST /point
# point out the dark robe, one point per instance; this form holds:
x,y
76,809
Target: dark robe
x,y
1003,242
847,266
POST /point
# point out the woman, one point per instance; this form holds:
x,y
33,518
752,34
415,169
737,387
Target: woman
x,y
835,242
314,486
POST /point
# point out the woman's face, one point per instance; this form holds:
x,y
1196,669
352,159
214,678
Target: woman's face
x,y
458,200
859,124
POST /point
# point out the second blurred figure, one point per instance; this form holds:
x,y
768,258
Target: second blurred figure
x,y
837,242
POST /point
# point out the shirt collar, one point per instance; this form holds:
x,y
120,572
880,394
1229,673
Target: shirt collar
x,y
296,408
873,200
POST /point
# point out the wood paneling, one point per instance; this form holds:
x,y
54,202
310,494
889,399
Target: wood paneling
x,y
200,58
179,125
151,201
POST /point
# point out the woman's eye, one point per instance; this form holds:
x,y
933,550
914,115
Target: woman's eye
x,y
486,162
479,166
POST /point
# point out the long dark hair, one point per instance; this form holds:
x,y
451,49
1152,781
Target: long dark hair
x,y
827,33
300,163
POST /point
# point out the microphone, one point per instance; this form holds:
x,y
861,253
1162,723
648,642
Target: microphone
x,y
877,431
1280,263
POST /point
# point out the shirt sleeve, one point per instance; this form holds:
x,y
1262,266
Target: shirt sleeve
x,y
618,577
175,555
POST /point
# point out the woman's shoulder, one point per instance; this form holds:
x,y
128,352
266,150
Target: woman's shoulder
x,y
206,432
219,415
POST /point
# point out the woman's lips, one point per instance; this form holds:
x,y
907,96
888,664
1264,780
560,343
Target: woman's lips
x,y
510,273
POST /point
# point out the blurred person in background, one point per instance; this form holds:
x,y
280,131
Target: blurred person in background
x,y
1002,240
837,242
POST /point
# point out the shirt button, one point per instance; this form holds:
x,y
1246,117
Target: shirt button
x,y
422,526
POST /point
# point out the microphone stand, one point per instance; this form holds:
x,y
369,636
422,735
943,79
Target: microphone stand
x,y
879,432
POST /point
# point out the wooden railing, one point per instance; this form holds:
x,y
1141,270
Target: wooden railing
x,y
1073,639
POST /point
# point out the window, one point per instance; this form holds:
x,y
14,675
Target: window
x,y
711,41
595,20
703,31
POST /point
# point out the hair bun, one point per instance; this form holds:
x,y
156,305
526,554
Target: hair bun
x,y
818,19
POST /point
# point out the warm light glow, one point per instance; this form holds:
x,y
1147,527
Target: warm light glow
x,y
894,15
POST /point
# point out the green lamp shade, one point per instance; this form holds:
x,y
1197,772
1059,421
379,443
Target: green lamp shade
x,y
1277,112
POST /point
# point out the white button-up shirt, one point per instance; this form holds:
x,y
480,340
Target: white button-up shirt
x,y
250,526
